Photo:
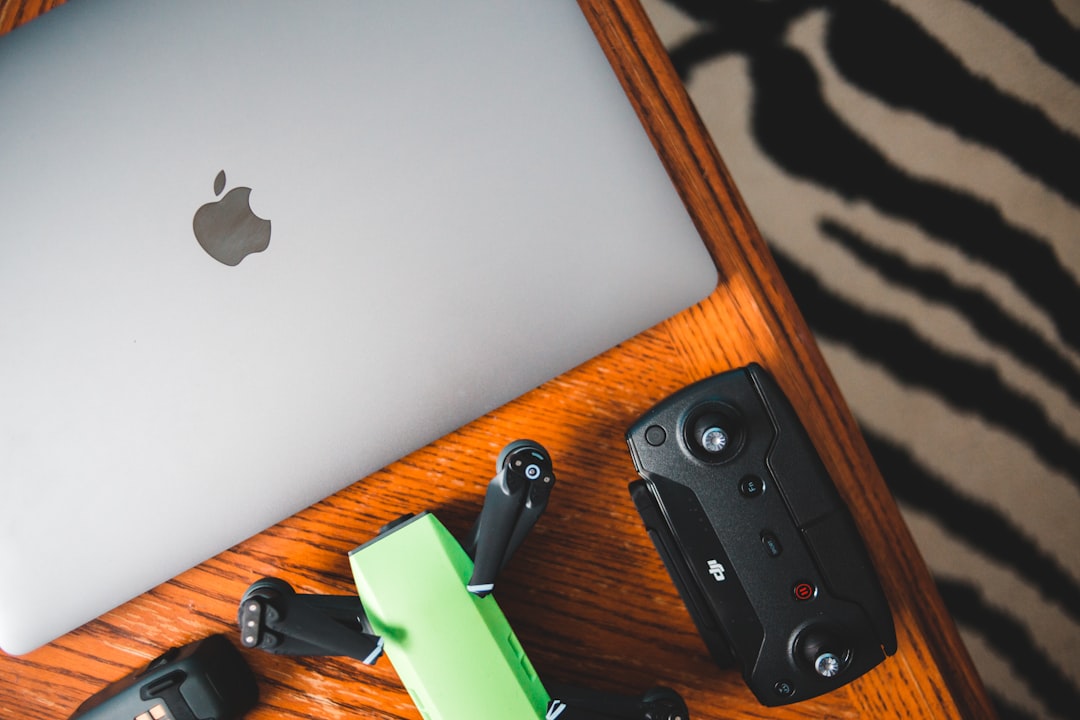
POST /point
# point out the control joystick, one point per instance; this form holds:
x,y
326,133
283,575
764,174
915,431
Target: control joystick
x,y
823,651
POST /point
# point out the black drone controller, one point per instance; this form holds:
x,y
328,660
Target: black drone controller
x,y
763,550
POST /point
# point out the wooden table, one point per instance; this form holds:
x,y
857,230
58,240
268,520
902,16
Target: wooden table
x,y
587,593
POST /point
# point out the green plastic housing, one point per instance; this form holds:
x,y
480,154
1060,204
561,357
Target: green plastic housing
x,y
454,652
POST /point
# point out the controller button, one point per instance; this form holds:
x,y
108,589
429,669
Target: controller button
x,y
751,486
655,435
804,591
784,688
772,544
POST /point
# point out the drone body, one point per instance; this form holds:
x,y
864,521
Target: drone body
x,y
454,651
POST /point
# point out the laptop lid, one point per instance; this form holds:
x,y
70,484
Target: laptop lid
x,y
253,252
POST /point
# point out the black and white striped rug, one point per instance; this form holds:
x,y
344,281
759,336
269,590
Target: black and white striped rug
x,y
915,167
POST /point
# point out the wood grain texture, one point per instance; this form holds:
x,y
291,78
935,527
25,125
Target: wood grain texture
x,y
587,593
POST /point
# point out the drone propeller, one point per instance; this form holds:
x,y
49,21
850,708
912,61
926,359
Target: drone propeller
x,y
274,618
515,499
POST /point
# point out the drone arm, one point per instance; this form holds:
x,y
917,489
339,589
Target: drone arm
x,y
515,498
274,618
505,496
535,503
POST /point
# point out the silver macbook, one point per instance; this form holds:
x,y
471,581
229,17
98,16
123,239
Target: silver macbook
x,y
251,252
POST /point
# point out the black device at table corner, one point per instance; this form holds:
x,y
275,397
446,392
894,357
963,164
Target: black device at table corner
x,y
755,536
204,680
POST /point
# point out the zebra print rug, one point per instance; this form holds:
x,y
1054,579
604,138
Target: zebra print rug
x,y
915,167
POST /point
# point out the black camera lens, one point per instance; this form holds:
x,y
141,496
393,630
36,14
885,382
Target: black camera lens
x,y
714,432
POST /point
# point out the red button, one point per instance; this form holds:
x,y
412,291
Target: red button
x,y
804,591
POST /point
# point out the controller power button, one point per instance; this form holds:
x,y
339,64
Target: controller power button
x,y
804,591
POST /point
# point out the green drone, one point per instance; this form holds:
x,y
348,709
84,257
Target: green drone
x,y
424,599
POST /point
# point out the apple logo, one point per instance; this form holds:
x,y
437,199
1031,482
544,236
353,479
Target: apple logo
x,y
227,229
